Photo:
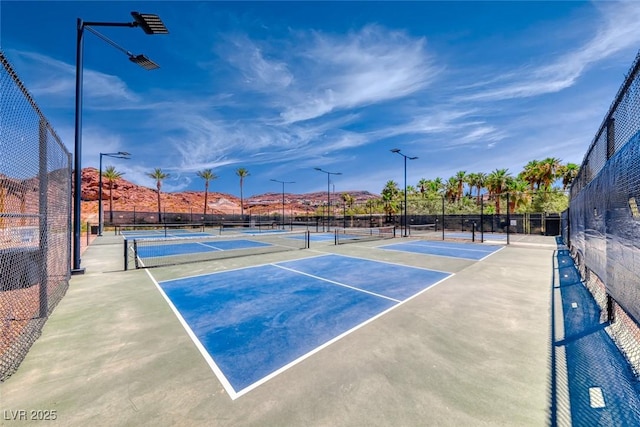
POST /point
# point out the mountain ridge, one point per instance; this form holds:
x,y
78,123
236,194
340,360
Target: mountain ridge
x,y
130,197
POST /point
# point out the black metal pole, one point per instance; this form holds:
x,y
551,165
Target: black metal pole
x,y
405,197
77,173
328,202
283,205
508,218
442,217
482,220
43,228
100,217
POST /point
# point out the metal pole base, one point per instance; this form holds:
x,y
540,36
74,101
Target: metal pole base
x,y
77,271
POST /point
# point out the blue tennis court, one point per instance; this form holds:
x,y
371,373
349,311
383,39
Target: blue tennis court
x,y
186,247
478,236
473,251
252,323
159,234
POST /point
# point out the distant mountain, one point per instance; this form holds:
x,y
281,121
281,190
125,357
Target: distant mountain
x,y
129,197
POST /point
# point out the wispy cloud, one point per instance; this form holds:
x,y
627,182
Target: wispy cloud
x,y
617,30
361,68
55,78
258,71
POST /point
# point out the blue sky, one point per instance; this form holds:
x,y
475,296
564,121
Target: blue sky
x,y
281,88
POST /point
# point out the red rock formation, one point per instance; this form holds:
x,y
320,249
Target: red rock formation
x,y
129,197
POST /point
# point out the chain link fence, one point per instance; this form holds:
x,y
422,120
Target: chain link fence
x,y
35,217
602,225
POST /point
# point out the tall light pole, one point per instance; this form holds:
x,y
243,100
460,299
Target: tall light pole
x,y
283,183
397,151
328,193
118,155
150,24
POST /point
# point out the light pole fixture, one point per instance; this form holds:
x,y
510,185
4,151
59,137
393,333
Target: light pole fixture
x,y
283,183
328,193
397,151
150,24
118,155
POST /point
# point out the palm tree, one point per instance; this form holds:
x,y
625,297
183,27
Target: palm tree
x,y
348,203
159,176
436,185
549,171
423,184
111,175
461,178
347,199
207,175
451,189
242,173
531,173
477,180
568,173
497,183
519,196
390,195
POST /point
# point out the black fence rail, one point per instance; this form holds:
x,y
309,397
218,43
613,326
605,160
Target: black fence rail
x,y
548,224
35,214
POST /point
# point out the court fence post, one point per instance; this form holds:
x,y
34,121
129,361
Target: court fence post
x,y
126,255
135,253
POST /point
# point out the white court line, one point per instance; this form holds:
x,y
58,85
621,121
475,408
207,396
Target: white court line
x,y
336,283
384,247
494,252
426,244
390,263
427,253
209,246
203,351
246,267
218,372
596,397
331,341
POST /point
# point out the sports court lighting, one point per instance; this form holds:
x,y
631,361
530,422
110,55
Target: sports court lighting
x,y
397,151
150,24
118,155
144,62
283,183
328,193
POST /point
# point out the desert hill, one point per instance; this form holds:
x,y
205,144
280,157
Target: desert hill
x,y
129,197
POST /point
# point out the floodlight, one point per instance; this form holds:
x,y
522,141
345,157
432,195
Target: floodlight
x,y
144,62
150,23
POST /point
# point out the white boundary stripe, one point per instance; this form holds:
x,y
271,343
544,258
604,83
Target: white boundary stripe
x,y
386,248
391,263
244,268
494,252
428,254
207,357
206,245
431,245
596,397
336,283
331,341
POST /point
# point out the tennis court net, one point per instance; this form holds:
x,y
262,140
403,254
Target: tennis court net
x,y
249,226
161,230
157,252
354,235
421,229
